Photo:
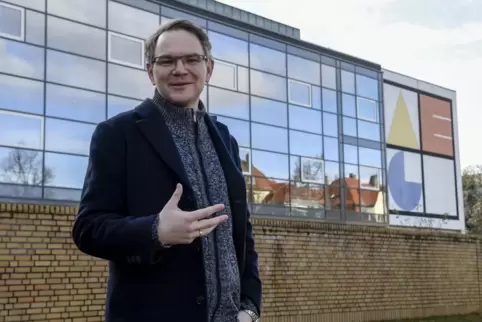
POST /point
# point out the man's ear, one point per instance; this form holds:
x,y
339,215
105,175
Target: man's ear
x,y
209,69
150,72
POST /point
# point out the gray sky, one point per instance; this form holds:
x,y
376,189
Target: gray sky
x,y
438,41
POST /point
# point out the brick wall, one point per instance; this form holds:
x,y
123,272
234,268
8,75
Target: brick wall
x,y
311,271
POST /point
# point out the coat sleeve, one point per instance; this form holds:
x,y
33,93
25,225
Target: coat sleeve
x,y
251,286
102,228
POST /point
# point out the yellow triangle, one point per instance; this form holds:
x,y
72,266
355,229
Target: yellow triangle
x,y
402,132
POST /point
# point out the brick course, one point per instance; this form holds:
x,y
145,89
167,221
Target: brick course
x,y
311,271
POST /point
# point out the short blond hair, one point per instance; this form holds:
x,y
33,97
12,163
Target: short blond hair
x,y
177,24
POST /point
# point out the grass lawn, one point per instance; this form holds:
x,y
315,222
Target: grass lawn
x,y
458,318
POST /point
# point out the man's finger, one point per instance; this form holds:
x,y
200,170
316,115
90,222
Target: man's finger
x,y
205,227
205,212
176,196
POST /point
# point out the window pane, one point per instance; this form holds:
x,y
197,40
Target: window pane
x,y
21,94
224,75
238,129
369,178
87,11
75,37
349,126
129,82
299,93
126,50
68,137
82,72
116,105
268,111
267,59
330,124
267,85
271,165
370,157
75,104
11,21
303,70
229,48
328,76
19,166
368,130
33,4
307,169
332,172
228,103
351,172
307,197
35,25
348,105
305,119
331,148
329,100
245,158
21,59
316,97
367,110
347,82
243,79
68,170
367,87
305,144
269,138
350,153
21,130
132,21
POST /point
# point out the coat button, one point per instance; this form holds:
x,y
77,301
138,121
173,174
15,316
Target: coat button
x,y
199,300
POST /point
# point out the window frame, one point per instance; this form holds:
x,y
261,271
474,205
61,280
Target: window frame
x,y
375,110
250,167
379,172
310,94
235,75
42,130
303,179
22,22
120,62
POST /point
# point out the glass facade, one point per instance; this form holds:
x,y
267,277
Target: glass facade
x,y
309,126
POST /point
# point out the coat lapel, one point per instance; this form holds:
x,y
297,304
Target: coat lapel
x,y
154,128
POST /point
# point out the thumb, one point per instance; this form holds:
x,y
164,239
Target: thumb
x,y
176,196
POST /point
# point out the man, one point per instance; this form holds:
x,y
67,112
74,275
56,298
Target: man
x,y
164,199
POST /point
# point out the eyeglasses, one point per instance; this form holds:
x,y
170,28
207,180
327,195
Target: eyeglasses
x,y
187,60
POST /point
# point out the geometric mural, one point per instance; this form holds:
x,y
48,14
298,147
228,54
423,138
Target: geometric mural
x,y
404,170
440,196
436,120
401,117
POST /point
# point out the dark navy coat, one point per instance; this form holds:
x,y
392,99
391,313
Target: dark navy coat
x,y
133,170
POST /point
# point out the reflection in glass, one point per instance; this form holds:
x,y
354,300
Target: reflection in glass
x,y
70,103
306,197
243,79
299,93
12,21
348,105
82,72
368,130
32,4
329,100
367,110
370,157
267,59
369,178
347,82
21,59
69,170
224,75
116,105
228,103
21,130
352,177
267,85
87,11
131,21
305,119
21,94
303,69
330,124
316,97
76,38
68,137
35,25
331,148
126,50
269,165
270,192
350,153
245,157
129,82
367,87
238,129
349,126
305,144
332,185
328,75
229,48
268,111
62,194
269,138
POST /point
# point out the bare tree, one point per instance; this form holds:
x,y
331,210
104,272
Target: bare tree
x,y
307,169
25,167
472,187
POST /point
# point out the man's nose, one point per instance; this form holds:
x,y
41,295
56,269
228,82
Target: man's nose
x,y
179,68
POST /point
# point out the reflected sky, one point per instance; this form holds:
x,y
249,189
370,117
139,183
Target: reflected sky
x,y
67,136
269,138
116,105
21,59
91,12
267,85
267,59
69,170
306,144
272,165
21,130
21,94
305,119
229,49
304,70
268,111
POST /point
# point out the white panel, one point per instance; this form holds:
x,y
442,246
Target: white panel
x,y
439,186
421,222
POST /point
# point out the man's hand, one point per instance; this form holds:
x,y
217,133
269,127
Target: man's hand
x,y
244,317
181,227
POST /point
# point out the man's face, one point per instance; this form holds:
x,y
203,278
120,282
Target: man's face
x,y
180,69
